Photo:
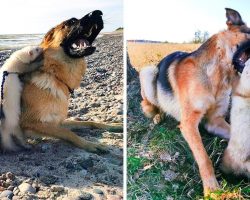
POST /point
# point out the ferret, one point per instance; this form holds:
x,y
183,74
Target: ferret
x,y
20,62
236,158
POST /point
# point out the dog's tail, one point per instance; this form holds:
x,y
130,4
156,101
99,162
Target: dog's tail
x,y
148,77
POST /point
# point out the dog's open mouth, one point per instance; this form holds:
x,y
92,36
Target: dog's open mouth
x,y
241,56
83,32
80,47
80,44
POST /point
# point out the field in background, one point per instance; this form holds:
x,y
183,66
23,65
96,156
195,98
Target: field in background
x,y
160,163
142,54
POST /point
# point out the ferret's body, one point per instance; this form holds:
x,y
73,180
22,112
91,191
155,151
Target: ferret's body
x,y
236,157
21,61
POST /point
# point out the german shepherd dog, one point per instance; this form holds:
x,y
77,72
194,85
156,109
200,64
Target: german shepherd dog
x,y
189,86
46,92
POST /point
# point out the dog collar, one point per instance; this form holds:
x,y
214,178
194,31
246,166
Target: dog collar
x,y
71,91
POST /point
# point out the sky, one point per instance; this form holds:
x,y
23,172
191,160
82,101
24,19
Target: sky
x,y
177,20
38,16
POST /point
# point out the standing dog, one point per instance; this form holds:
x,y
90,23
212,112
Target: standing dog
x,y
189,86
45,96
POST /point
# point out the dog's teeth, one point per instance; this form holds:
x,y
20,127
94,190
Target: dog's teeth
x,y
74,45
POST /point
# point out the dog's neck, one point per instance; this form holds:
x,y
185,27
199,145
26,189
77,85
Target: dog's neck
x,y
68,70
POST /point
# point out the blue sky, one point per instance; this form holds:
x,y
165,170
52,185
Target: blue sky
x,y
177,20
38,16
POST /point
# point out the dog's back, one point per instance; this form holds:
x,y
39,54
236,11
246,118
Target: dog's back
x,y
156,88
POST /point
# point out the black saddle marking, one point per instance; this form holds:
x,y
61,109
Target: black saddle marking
x,y
163,67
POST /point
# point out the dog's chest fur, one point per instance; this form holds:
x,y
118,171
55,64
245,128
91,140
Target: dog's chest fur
x,y
47,93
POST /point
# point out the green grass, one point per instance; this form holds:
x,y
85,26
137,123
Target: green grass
x,y
148,169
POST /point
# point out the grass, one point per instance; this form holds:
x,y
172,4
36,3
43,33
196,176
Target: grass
x,y
160,163
142,54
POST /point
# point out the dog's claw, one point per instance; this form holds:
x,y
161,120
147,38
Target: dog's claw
x,y
95,148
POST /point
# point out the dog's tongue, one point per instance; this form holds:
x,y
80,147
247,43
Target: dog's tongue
x,y
83,43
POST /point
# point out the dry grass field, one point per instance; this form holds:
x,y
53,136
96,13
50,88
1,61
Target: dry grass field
x,y
142,54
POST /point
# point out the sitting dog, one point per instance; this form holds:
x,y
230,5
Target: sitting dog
x,y
46,93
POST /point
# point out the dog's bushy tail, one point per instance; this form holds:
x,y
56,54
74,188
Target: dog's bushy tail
x,y
148,77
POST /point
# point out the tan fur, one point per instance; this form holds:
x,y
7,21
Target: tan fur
x,y
201,85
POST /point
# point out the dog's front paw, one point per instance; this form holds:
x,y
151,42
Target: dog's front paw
x,y
210,187
96,148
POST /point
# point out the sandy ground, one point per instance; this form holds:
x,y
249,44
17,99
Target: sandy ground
x,y
56,170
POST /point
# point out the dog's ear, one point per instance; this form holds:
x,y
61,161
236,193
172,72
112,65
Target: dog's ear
x,y
233,18
48,37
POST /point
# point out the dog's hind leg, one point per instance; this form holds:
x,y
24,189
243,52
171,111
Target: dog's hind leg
x,y
151,111
148,92
50,130
69,123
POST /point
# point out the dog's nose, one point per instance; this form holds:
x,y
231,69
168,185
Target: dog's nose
x,y
96,13
93,18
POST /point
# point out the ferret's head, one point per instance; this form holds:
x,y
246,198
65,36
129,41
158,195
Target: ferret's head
x,y
29,54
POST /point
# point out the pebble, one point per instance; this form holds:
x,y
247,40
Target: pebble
x,y
74,195
83,172
16,191
48,180
85,164
7,193
57,188
10,176
11,188
2,188
26,187
114,197
98,191
86,196
46,147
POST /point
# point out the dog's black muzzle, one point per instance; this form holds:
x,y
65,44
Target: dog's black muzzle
x,y
78,42
241,56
